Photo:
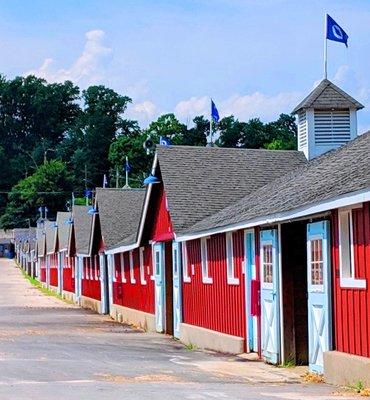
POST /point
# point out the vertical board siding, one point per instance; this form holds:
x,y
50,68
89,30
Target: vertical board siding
x,y
42,261
217,306
54,269
352,306
68,273
91,279
138,296
162,227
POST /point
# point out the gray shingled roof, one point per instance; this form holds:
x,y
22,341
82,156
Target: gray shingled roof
x,y
51,235
333,174
200,181
119,213
64,229
40,238
82,222
325,96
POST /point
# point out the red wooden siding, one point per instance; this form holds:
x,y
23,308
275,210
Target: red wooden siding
x,y
136,295
42,261
162,227
53,269
352,306
69,273
217,306
91,277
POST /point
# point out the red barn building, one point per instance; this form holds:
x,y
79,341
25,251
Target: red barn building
x,y
66,254
131,285
312,252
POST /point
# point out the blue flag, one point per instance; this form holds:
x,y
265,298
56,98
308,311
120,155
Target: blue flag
x,y
127,166
335,32
214,112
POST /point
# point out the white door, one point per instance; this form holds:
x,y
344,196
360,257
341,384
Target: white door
x,y
110,279
270,319
103,285
176,269
78,277
159,287
60,271
319,294
47,271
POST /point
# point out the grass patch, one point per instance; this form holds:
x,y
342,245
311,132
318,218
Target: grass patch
x,y
190,346
47,292
359,388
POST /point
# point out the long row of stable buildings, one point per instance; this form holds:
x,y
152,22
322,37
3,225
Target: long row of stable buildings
x,y
234,250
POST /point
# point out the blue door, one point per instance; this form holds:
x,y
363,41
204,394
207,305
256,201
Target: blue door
x,y
159,287
319,294
104,293
250,274
270,318
176,269
78,277
47,271
110,258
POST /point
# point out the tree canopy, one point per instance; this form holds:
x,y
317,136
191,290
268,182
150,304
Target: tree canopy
x,y
56,139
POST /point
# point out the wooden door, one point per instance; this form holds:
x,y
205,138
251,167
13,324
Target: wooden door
x,y
319,294
176,274
270,318
158,260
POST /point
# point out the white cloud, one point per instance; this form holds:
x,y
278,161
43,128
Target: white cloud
x,y
243,107
144,112
91,67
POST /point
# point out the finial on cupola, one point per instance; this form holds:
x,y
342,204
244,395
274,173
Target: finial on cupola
x,y
327,119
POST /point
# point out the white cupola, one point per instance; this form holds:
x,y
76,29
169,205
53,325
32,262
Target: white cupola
x,y
327,119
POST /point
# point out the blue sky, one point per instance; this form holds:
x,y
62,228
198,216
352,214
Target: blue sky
x,y
256,58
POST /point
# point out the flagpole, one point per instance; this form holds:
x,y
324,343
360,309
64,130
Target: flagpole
x,y
210,127
326,47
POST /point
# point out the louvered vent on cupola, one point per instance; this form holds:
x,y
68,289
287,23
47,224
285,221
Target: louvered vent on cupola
x,y
327,119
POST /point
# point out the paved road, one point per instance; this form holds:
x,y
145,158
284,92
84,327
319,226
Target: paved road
x,y
53,350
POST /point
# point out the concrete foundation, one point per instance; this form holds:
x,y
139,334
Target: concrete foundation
x,y
346,369
211,340
68,296
92,304
130,316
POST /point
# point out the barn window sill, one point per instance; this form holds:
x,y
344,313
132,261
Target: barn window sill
x,y
233,281
187,280
207,280
352,283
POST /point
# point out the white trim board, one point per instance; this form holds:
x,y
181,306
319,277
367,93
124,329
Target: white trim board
x,y
361,196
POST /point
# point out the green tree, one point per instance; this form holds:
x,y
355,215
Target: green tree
x,y
230,131
197,135
167,125
50,186
87,144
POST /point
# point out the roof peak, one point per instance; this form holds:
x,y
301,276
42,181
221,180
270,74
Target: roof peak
x,y
327,95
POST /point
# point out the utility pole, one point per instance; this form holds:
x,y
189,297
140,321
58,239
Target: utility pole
x,y
87,199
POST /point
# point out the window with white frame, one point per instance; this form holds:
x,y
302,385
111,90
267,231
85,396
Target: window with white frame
x,y
142,266
231,278
346,251
122,264
205,265
114,269
185,266
132,275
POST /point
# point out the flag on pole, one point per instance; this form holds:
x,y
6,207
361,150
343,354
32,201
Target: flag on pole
x,y
214,112
127,167
335,32
105,181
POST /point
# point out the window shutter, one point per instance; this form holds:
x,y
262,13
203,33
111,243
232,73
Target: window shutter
x,y
302,129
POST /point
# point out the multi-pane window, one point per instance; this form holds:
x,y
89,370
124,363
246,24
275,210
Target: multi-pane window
x,y
157,256
132,275
316,262
142,267
348,276
231,278
267,263
122,264
205,265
